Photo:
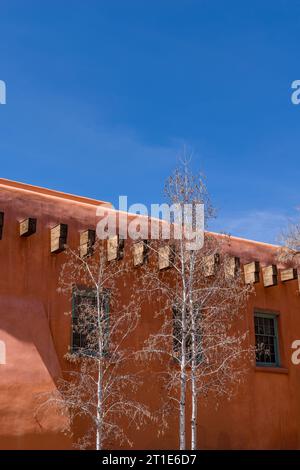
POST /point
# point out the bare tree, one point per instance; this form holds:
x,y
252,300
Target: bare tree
x,y
289,253
201,299
100,386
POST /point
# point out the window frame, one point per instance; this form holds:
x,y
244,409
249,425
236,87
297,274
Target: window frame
x,y
89,292
274,316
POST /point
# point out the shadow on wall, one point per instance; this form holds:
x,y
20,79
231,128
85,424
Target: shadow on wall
x,y
25,334
28,366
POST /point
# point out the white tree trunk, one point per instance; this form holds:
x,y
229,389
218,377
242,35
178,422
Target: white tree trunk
x,y
182,439
193,312
99,381
194,412
99,409
194,384
182,407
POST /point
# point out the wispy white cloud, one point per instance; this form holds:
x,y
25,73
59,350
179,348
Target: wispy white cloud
x,y
260,225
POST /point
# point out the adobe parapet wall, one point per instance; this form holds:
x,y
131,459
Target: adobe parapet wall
x,y
27,211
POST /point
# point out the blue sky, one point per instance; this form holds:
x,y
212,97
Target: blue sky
x,y
102,95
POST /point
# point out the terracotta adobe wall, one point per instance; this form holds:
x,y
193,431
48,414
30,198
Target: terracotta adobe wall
x,y
264,414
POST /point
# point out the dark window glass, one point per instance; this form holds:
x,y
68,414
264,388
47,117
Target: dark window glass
x,y
85,322
266,339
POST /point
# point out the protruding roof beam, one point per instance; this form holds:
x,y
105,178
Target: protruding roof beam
x,y
27,227
269,275
115,248
165,257
210,263
251,272
140,252
232,266
58,235
288,274
87,240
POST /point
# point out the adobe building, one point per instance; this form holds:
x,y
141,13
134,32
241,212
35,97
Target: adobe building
x,y
35,333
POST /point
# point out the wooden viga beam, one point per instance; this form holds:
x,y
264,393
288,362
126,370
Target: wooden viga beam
x,y
210,264
288,274
27,227
115,248
87,241
269,274
1,224
251,272
58,235
231,266
165,257
140,252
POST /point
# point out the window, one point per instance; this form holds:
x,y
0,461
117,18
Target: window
x,y
266,339
85,322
